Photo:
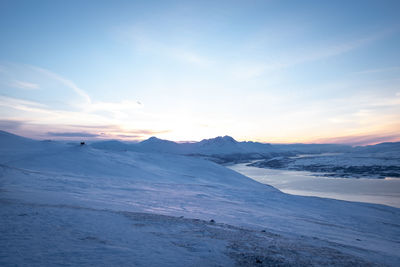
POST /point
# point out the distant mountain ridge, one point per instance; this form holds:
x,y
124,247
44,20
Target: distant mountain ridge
x,y
380,161
382,147
220,146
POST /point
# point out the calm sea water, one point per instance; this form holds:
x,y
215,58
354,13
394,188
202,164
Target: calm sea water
x,y
380,191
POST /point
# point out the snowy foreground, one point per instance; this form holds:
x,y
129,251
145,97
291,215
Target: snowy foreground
x,y
65,204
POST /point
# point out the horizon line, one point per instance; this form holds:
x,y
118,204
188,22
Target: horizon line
x,y
361,140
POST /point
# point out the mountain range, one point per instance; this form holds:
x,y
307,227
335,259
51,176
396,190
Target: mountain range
x,y
221,145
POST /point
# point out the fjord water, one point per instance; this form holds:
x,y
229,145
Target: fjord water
x,y
379,191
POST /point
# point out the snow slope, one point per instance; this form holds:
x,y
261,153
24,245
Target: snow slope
x,y
66,202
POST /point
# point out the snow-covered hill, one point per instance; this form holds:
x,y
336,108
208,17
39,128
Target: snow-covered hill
x,y
67,203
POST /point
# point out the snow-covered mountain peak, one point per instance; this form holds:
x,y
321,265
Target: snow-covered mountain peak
x,y
155,140
219,140
152,139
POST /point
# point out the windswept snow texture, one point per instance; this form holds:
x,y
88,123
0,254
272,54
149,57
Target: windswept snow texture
x,y
67,204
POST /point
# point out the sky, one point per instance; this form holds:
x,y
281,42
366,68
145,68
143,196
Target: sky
x,y
268,71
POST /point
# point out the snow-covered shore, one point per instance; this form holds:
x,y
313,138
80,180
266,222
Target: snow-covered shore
x,y
66,203
345,165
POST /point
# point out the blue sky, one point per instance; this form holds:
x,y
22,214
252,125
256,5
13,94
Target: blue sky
x,y
271,71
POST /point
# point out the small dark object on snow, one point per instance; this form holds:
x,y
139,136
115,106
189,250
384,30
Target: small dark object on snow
x,y
258,261
212,221
82,143
263,231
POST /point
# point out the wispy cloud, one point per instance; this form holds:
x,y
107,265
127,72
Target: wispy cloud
x,y
42,111
25,85
37,129
86,105
113,107
105,133
331,50
338,49
90,105
21,104
313,53
129,136
369,71
191,57
142,42
72,134
70,84
245,71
